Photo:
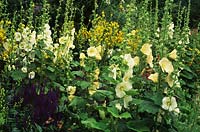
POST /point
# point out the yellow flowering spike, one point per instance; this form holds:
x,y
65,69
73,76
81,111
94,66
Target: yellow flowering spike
x,y
169,103
154,77
92,51
169,80
166,65
173,54
146,49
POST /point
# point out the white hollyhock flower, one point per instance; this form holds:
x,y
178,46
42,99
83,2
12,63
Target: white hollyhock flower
x,y
169,103
31,75
121,89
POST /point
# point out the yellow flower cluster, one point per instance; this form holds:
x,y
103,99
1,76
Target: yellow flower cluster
x,y
2,35
133,39
102,33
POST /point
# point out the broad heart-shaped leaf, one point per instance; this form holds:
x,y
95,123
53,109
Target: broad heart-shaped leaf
x,y
114,112
78,102
139,125
149,107
18,75
83,84
61,88
92,123
125,115
78,73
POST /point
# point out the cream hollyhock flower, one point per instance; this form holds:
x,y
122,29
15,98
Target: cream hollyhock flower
x,y
98,56
31,75
127,99
166,65
131,62
128,75
92,51
18,36
118,106
173,54
71,90
71,97
169,80
121,89
24,69
150,60
154,77
146,49
169,103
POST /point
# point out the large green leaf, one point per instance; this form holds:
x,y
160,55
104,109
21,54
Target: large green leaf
x,y
139,125
148,106
92,123
78,101
18,75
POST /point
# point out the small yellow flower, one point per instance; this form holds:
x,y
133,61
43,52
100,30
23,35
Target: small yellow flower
x,y
98,56
146,49
169,80
92,52
71,90
149,60
173,54
24,69
154,77
71,97
169,103
166,65
92,90
82,56
121,89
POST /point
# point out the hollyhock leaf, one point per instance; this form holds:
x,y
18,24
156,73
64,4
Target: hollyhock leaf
x,y
140,125
18,75
92,123
78,73
125,115
113,111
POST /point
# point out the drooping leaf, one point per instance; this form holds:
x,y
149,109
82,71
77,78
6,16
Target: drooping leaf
x,y
92,123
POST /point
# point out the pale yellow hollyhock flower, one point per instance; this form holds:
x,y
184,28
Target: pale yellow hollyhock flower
x,y
82,56
146,49
97,72
70,97
98,56
154,77
99,49
169,103
96,84
166,65
92,51
150,60
71,90
127,99
118,106
121,88
92,90
136,60
31,75
24,69
169,80
173,54
18,36
128,75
